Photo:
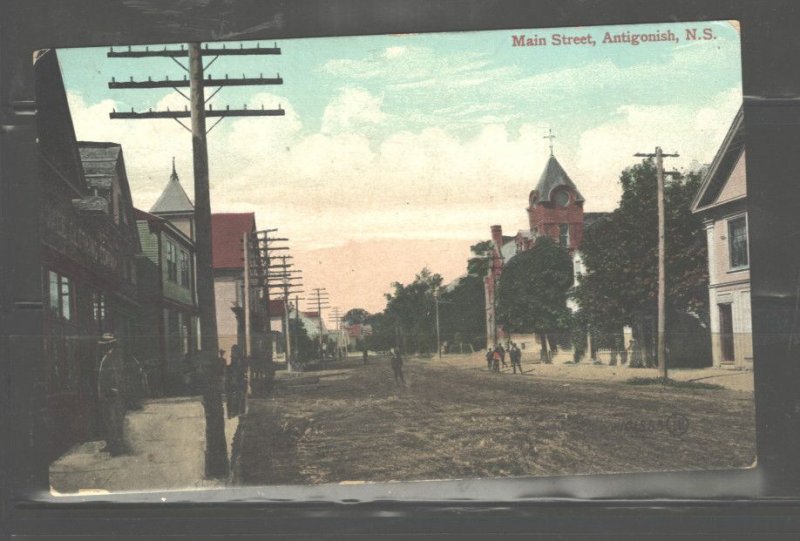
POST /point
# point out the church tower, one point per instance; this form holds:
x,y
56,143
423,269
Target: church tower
x,y
556,206
175,206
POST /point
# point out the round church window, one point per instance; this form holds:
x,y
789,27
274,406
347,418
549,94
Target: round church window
x,y
562,198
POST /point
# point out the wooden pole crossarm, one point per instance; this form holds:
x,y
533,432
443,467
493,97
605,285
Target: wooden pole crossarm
x,y
178,53
186,114
184,83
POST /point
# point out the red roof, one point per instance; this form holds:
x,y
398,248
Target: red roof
x,y
227,231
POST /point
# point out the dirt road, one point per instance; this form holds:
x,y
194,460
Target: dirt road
x,y
453,420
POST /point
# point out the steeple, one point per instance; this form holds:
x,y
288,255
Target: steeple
x,y
173,199
553,177
556,206
175,206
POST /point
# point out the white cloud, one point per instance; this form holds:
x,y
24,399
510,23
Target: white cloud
x,y
694,133
352,109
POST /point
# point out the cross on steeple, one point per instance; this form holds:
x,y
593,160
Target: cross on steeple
x,y
551,137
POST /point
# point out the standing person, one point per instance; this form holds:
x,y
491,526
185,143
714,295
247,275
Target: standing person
x,y
502,355
489,357
366,354
234,382
110,391
496,359
397,366
516,358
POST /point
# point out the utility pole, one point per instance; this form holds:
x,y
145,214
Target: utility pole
x,y
336,320
264,247
438,336
321,299
288,282
246,295
216,457
661,351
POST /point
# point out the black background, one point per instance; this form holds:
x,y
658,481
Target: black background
x,y
771,79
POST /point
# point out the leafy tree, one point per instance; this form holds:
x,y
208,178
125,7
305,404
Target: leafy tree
x,y
620,253
411,308
462,312
532,293
304,348
480,263
384,335
355,316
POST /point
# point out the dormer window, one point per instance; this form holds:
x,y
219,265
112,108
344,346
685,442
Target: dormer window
x,y
561,198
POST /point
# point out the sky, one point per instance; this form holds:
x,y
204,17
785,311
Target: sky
x,y
400,151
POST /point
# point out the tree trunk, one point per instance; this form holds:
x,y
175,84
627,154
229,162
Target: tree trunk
x,y
545,356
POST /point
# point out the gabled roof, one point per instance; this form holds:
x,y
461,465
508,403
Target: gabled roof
x,y
58,148
173,199
724,162
552,177
227,231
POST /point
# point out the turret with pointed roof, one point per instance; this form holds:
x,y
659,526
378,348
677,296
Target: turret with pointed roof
x,y
556,206
554,177
174,205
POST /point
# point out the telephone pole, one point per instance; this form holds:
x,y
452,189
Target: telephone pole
x,y
336,319
216,458
265,248
321,299
661,351
438,336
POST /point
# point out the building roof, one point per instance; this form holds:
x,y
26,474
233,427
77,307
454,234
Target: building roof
x,y
173,200
724,162
227,231
57,146
553,177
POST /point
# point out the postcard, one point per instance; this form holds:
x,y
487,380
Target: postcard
x,y
390,258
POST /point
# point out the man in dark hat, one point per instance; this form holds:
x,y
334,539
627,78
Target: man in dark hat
x,y
110,392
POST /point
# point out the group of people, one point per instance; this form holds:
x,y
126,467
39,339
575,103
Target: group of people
x,y
497,355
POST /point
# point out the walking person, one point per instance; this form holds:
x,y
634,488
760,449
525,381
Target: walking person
x,y
516,358
502,355
366,354
496,359
489,358
397,366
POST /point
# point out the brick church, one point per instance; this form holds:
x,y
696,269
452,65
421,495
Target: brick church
x,y
555,209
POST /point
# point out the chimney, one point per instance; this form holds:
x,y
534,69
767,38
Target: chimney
x,y
497,235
